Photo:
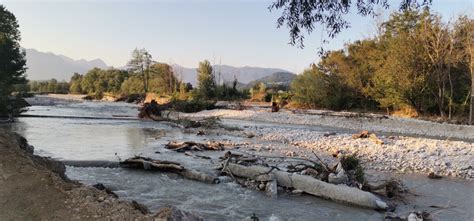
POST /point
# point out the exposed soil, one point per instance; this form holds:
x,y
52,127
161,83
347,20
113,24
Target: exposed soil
x,y
32,188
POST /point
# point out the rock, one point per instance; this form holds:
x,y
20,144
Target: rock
x,y
140,207
329,134
433,175
339,177
200,133
272,188
172,213
249,134
414,217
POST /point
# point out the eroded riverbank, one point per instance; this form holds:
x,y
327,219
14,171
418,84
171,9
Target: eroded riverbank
x,y
30,190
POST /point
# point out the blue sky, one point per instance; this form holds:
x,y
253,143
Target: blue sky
x,y
238,33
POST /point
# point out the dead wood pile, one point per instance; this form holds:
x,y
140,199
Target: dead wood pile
x,y
194,146
315,178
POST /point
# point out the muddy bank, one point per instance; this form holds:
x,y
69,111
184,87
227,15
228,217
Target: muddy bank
x,y
33,187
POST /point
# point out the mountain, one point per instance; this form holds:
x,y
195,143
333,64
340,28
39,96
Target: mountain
x,y
243,74
44,66
277,78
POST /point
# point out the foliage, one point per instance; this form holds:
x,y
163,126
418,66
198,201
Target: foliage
x,y
51,86
206,80
192,106
303,16
140,65
228,91
162,79
417,61
12,60
98,81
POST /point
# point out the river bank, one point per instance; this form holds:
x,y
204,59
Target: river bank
x,y
347,120
402,154
36,188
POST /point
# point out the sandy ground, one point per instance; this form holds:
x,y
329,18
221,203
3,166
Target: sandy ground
x,y
29,190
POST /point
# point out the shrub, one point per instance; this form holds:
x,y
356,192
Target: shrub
x,y
192,106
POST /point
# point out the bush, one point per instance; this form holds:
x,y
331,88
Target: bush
x,y
192,106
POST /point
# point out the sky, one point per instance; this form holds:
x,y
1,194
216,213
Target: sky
x,y
238,33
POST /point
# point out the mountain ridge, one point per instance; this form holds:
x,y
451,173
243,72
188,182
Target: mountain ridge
x,y
47,65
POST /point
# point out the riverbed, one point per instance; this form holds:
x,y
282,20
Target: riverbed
x,y
114,139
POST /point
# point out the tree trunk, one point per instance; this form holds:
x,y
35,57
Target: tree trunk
x,y
471,105
144,81
310,185
471,114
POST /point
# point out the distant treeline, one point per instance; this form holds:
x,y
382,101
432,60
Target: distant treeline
x,y
416,62
51,86
161,80
156,78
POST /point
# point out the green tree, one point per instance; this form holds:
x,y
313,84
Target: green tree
x,y
12,59
75,84
206,80
464,49
140,64
303,16
162,79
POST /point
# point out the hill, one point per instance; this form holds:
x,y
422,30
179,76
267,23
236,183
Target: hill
x,y
243,74
44,66
277,78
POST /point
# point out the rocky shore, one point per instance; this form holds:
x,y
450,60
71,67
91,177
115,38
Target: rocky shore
x,y
348,120
397,153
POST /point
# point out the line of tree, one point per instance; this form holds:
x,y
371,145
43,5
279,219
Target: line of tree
x,y
51,86
145,75
416,61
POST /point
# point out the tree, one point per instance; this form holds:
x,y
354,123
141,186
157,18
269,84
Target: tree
x,y
206,80
12,59
140,64
75,84
162,79
302,16
464,47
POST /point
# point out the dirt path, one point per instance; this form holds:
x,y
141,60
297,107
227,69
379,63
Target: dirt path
x,y
29,190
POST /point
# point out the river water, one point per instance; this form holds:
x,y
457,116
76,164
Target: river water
x,y
106,139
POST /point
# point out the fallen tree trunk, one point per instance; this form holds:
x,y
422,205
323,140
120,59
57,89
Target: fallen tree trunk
x,y
168,166
311,186
91,163
190,145
147,164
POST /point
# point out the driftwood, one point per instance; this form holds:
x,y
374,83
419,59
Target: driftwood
x,y
153,110
367,134
151,164
340,193
167,166
193,146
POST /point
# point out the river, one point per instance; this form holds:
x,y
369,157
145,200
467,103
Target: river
x,y
113,139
